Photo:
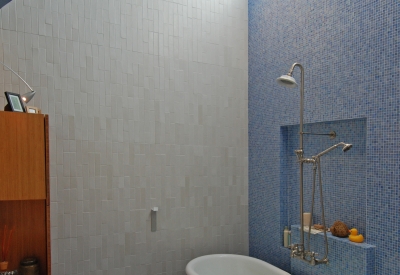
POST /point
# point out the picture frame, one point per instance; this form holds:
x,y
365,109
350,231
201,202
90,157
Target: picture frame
x,y
15,102
32,110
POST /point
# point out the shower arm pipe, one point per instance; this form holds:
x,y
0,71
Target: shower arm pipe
x,y
301,145
290,73
315,134
332,134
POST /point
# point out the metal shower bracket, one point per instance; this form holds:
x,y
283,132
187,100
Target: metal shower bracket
x,y
332,134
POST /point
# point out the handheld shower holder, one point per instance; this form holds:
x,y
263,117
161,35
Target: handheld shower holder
x,y
299,154
300,158
332,134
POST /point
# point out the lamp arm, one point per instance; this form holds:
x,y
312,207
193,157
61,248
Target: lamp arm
x,y
17,75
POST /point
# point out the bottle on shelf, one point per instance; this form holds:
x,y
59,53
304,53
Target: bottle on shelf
x,y
286,237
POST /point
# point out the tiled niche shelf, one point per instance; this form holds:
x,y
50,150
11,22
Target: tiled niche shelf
x,y
343,173
345,257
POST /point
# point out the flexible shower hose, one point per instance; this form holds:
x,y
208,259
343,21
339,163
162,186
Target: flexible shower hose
x,y
317,166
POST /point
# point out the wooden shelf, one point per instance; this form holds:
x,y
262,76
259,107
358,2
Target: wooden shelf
x,y
29,238
23,155
24,185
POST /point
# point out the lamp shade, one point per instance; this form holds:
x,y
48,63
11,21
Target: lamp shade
x,y
28,96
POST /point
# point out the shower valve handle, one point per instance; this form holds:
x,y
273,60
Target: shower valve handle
x,y
299,154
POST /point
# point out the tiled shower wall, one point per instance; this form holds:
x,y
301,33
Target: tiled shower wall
x,y
148,107
342,173
350,52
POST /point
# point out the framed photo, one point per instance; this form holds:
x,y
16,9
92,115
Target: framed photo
x,y
32,110
15,102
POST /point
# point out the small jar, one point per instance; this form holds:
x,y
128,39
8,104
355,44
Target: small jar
x,y
29,266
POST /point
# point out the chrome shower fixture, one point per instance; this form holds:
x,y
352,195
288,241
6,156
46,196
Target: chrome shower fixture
x,y
346,147
332,134
299,250
288,80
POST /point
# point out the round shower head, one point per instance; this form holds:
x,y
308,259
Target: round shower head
x,y
287,81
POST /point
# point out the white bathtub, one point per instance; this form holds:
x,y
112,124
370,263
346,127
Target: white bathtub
x,y
230,264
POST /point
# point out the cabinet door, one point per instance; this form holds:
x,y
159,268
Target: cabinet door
x,y
22,153
28,218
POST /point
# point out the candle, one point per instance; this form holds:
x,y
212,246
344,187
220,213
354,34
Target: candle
x,y
306,218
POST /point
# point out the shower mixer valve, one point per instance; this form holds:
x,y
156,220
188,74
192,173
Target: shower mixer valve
x,y
297,251
300,158
299,154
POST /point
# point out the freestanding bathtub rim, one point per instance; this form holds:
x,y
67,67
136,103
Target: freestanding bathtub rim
x,y
190,267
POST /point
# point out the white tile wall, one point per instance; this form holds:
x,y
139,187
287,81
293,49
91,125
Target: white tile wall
x,y
148,107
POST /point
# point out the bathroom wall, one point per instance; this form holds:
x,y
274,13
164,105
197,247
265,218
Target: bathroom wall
x,y
350,53
342,173
148,107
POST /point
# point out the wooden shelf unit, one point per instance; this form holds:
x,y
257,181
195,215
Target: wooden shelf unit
x,y
24,187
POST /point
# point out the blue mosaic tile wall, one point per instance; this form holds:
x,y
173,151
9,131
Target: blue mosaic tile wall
x,y
345,257
350,52
343,174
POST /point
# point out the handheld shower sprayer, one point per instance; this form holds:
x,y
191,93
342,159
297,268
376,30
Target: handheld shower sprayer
x,y
346,147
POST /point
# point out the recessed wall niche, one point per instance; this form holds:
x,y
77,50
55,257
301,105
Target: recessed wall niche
x,y
343,173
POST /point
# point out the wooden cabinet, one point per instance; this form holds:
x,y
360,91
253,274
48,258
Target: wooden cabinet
x,y
24,186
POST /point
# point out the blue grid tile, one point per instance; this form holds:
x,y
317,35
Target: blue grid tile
x,y
345,257
343,174
350,52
